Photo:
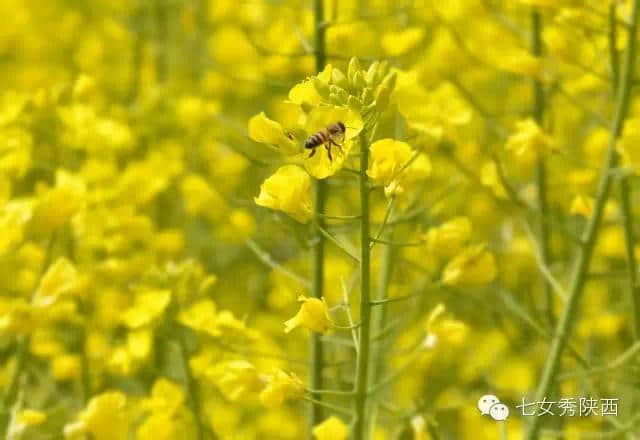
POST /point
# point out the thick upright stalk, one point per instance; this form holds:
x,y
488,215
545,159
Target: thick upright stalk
x,y
563,328
541,170
629,238
379,313
625,193
316,355
378,317
362,367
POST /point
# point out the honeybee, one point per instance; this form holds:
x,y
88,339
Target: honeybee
x,y
331,135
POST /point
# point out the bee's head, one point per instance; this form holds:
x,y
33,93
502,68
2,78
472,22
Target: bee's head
x,y
309,143
341,125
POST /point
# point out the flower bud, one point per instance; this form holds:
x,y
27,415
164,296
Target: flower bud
x,y
370,77
321,87
390,80
382,71
354,67
358,81
382,98
338,78
338,95
354,103
367,95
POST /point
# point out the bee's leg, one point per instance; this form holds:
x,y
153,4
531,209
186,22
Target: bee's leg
x,y
313,151
336,144
328,147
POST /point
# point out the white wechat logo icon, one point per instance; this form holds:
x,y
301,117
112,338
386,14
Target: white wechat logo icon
x,y
499,412
490,405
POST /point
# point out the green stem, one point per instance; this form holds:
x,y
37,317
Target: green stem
x,y
541,169
316,349
85,377
190,386
613,51
140,36
379,314
198,63
22,346
362,368
162,17
625,194
585,252
22,352
634,288
625,201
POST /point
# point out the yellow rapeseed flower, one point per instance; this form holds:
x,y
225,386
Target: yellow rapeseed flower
x,y
490,177
628,144
307,91
200,198
23,420
66,367
166,397
400,42
15,151
319,118
395,164
84,86
148,306
528,140
313,315
474,265
419,428
436,113
582,205
441,329
60,279
58,204
266,131
236,379
331,428
281,387
448,238
104,418
201,316
20,317
31,417
288,190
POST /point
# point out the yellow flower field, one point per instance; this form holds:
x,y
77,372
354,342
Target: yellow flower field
x,y
319,219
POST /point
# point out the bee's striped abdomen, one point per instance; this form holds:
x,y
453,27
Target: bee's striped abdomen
x,y
316,140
